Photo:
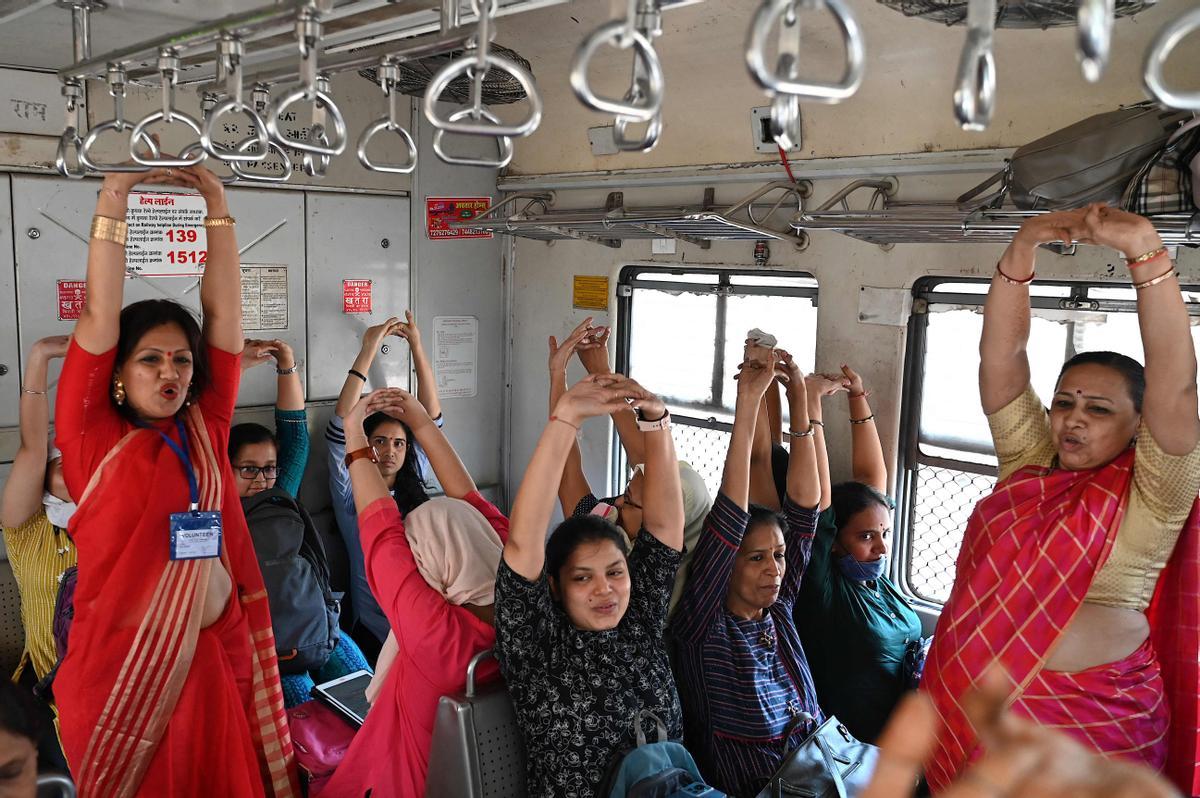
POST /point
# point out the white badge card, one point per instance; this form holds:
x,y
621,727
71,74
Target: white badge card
x,y
195,535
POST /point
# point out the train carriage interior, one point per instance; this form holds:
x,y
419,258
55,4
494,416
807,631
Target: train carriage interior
x,y
843,174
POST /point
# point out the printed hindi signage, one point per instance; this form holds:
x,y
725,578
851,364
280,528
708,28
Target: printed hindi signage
x,y
440,211
456,355
264,297
590,292
71,296
166,235
356,296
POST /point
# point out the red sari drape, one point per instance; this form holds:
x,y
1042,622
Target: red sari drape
x,y
151,704
1030,552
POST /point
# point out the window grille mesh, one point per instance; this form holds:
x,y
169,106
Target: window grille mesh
x,y
704,449
944,499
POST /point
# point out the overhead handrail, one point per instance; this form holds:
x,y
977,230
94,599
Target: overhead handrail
x,y
1156,59
230,52
800,191
168,68
388,76
1096,19
503,143
884,188
308,39
261,97
788,82
476,62
70,143
116,88
643,101
975,86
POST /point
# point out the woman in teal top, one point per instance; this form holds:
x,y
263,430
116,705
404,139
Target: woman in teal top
x,y
856,626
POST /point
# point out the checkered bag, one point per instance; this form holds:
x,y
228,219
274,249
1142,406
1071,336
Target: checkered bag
x,y
1170,181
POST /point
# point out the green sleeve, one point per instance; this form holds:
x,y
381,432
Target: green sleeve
x,y
291,430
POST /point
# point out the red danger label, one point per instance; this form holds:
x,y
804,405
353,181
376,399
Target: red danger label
x,y
71,296
356,296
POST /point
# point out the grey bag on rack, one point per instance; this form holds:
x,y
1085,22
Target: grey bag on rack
x,y
1093,160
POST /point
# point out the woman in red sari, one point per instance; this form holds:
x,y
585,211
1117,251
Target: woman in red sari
x,y
1079,573
170,685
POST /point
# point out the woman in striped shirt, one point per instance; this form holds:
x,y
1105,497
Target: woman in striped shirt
x,y
744,681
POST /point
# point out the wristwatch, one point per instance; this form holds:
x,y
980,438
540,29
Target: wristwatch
x,y
367,452
651,425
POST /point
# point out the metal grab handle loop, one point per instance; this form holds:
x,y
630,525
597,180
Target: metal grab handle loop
x,y
453,123
71,141
312,164
229,67
389,74
336,145
1156,58
313,88
975,84
1096,19
619,35
116,88
772,81
238,167
504,143
168,67
649,138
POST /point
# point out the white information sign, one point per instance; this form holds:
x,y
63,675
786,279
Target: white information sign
x,y
264,296
166,234
455,355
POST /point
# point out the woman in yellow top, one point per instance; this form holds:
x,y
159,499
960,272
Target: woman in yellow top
x,y
1079,572
34,511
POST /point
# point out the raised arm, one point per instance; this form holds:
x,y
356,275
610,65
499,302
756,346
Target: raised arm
x,y
574,485
816,388
756,374
525,551
762,464
803,478
866,451
455,480
1169,405
593,354
427,392
26,481
356,377
1003,362
367,482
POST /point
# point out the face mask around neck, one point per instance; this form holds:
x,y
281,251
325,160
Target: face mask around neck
x,y
861,571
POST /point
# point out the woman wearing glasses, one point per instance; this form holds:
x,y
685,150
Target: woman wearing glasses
x,y
267,470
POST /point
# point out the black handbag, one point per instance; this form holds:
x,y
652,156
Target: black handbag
x,y
830,763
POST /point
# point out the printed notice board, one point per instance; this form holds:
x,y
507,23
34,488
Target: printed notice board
x,y
71,296
440,211
590,292
264,297
455,356
166,234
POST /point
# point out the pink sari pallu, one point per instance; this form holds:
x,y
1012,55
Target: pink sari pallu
x,y
1030,552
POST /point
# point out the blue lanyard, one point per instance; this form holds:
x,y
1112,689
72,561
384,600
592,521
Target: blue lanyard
x,y
183,454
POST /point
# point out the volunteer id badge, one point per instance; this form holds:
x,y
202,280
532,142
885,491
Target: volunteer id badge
x,y
195,535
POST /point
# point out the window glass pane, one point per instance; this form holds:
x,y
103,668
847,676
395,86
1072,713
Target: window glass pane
x,y
793,320
671,346
773,279
665,277
981,288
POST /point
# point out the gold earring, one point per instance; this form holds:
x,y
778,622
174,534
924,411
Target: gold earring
x,y
118,391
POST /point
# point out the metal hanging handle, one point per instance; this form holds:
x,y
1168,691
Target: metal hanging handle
x,y
70,143
230,52
622,138
764,21
308,38
1096,19
116,88
975,85
261,97
504,143
476,62
389,75
648,103
168,67
1156,59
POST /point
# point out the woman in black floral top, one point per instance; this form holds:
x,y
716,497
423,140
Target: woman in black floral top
x,y
579,623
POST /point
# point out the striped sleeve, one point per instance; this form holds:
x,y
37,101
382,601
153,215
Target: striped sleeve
x,y
711,569
339,476
802,528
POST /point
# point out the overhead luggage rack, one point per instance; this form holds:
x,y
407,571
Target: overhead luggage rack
x,y
745,220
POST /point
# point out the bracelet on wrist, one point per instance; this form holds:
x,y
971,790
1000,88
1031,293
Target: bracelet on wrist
x,y
817,422
358,374
32,392
1146,257
859,395
1012,280
863,420
1153,281
289,370
564,421
106,228
808,433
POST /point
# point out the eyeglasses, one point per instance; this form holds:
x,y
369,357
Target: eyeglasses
x,y
251,472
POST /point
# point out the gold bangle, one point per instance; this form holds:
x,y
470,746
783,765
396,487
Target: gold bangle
x,y
106,228
219,221
1151,255
1156,280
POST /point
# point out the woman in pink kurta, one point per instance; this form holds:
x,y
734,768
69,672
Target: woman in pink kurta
x,y
435,583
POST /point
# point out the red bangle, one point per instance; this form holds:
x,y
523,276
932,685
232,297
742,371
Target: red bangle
x,y
563,420
862,395
1142,260
1012,281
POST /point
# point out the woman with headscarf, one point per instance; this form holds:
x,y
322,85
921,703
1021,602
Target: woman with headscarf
x,y
434,575
34,512
1079,572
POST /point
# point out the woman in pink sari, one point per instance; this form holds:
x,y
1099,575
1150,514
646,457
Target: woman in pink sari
x,y
1079,573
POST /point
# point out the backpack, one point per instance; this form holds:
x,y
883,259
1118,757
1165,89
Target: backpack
x,y
64,615
1093,160
661,769
304,611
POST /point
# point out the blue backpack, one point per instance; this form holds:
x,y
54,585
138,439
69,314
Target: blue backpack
x,y
661,769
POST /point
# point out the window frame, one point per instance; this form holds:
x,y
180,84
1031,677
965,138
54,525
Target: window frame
x,y
632,277
908,453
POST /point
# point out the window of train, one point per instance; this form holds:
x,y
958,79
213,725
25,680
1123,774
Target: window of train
x,y
681,335
947,459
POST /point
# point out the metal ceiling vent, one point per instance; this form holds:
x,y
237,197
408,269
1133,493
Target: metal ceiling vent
x,y
1009,13
499,87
